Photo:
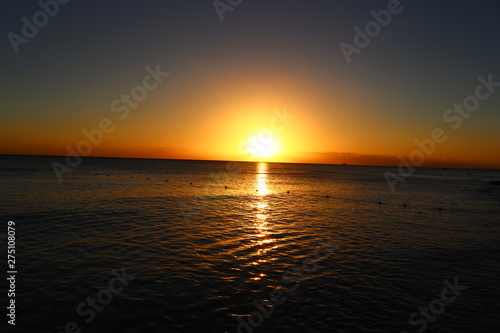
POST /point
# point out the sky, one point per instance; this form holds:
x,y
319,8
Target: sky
x,y
376,82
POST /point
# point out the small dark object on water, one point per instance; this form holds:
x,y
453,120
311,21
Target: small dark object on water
x,y
380,202
404,205
495,182
225,187
166,180
327,196
287,191
440,208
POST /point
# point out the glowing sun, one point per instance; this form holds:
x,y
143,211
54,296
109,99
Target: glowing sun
x,y
262,146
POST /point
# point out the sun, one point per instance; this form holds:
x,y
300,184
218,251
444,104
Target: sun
x,y
263,146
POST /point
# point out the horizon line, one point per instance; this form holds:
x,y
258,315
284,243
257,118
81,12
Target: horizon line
x,y
210,160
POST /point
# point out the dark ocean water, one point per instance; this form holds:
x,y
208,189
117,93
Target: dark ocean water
x,y
204,257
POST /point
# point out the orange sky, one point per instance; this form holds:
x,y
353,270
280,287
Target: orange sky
x,y
225,80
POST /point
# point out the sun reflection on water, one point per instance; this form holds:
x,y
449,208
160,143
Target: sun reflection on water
x,y
262,191
264,241
262,188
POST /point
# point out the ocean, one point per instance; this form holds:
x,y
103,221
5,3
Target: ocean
x,y
143,245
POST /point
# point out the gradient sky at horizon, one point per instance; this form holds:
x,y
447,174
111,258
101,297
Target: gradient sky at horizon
x,y
227,77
